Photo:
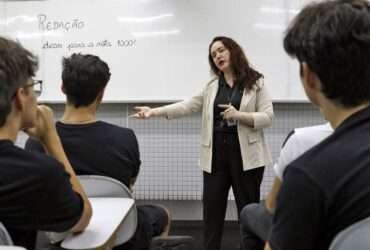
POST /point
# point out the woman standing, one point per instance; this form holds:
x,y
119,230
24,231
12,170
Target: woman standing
x,y
236,107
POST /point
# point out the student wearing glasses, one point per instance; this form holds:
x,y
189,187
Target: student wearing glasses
x,y
37,192
37,87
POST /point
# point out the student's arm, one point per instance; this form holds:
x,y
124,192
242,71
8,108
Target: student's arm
x,y
272,195
46,132
267,246
289,152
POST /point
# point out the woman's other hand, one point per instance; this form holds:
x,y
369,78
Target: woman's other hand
x,y
230,113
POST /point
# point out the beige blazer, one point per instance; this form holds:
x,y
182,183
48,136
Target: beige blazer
x,y
257,101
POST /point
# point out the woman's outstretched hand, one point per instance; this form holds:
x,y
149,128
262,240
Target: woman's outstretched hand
x,y
142,112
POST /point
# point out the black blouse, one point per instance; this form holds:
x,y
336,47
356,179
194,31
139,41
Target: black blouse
x,y
226,95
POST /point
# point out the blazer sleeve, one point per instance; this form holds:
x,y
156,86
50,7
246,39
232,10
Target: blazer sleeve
x,y
179,109
264,113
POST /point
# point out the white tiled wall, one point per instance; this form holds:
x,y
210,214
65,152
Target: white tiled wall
x,y
169,149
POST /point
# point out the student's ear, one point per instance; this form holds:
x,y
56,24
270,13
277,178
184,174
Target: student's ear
x,y
63,88
309,78
19,98
311,84
99,98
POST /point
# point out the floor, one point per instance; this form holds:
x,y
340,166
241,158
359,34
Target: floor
x,y
190,209
187,220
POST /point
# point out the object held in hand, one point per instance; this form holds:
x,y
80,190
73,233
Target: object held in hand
x,y
230,123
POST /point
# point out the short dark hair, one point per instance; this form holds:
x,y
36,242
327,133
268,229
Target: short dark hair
x,y
84,77
244,73
333,39
17,65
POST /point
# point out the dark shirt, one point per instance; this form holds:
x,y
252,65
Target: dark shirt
x,y
35,194
326,189
226,95
98,148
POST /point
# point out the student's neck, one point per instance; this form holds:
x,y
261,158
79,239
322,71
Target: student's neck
x,y
79,115
10,131
336,114
229,78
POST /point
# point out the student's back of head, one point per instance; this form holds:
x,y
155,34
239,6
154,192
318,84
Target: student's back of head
x,y
333,39
17,65
84,78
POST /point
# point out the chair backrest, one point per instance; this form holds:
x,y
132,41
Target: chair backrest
x,y
102,186
356,236
4,236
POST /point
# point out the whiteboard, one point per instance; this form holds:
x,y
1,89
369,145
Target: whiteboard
x,y
157,50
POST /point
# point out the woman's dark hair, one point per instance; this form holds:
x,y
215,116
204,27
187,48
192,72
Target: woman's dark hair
x,y
243,72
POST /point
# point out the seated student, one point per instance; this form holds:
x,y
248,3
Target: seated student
x,y
37,192
256,218
327,188
99,148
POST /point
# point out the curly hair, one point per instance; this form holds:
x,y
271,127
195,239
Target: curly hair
x,y
243,72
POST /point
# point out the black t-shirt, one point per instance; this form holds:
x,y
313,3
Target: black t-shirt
x,y
326,189
98,148
226,95
35,194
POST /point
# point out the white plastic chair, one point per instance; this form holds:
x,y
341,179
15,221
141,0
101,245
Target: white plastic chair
x,y
356,236
108,215
6,242
4,236
102,186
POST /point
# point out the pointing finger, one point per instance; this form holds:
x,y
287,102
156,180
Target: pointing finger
x,y
139,107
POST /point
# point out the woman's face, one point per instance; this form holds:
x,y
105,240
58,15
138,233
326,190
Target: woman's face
x,y
221,56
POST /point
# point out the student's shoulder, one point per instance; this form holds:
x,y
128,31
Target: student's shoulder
x,y
316,161
313,130
312,135
116,130
307,136
305,142
39,163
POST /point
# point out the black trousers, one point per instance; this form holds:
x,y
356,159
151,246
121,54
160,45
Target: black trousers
x,y
227,171
151,222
